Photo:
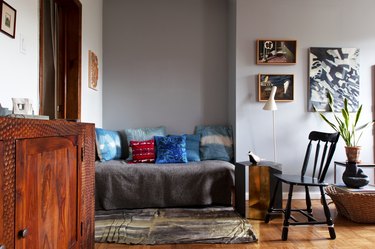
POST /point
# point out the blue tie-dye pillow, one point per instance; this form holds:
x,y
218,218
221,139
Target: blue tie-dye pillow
x,y
192,147
108,144
216,142
171,149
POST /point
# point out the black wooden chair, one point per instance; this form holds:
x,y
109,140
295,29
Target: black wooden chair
x,y
325,145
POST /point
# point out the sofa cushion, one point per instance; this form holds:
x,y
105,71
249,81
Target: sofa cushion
x,y
192,147
216,142
143,151
143,134
170,149
108,144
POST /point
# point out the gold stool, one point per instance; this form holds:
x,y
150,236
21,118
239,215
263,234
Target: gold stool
x,y
261,183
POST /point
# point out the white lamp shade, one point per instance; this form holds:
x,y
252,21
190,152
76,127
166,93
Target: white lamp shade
x,y
271,104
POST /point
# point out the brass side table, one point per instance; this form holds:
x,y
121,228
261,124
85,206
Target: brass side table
x,y
261,187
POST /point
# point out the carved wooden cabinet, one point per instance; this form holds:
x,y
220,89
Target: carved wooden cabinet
x,y
47,184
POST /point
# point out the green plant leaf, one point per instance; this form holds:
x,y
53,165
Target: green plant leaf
x,y
330,102
358,115
330,97
340,122
346,117
344,132
349,131
362,129
364,126
346,105
329,122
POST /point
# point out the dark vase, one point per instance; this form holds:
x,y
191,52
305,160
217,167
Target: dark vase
x,y
354,177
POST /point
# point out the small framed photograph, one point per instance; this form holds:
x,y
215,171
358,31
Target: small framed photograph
x,y
278,52
283,82
8,19
22,106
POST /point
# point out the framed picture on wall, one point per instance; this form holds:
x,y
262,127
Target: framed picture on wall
x,y
279,52
335,71
93,70
8,19
283,82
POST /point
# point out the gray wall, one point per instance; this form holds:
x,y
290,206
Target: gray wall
x,y
318,23
165,63
232,65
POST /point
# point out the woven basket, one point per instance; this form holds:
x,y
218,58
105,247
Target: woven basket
x,y
357,207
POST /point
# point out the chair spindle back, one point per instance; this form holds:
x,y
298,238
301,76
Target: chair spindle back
x,y
323,156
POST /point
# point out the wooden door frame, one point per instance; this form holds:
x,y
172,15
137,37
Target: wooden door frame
x,y
41,54
373,112
73,62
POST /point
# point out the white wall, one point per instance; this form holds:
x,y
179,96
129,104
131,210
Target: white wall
x,y
19,72
92,39
318,23
165,64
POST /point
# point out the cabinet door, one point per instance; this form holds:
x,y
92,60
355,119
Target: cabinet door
x,y
47,193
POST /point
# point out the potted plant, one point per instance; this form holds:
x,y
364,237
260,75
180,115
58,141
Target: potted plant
x,y
349,129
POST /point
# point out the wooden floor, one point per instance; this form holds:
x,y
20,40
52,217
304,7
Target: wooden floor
x,y
349,235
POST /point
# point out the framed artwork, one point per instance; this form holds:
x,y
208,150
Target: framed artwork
x,y
8,19
279,52
283,82
335,71
93,70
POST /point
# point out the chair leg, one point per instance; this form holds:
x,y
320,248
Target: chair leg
x,y
327,213
284,235
272,203
308,202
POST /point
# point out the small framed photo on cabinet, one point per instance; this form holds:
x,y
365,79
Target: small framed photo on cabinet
x,y
278,52
283,82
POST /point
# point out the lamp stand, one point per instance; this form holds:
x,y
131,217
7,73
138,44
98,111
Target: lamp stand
x,y
271,106
274,135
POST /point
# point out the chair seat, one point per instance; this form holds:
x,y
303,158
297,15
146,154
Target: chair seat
x,y
298,180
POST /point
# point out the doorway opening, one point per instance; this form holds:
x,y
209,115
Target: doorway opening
x,y
60,59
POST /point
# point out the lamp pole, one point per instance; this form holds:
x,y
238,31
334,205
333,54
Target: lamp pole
x,y
274,134
271,106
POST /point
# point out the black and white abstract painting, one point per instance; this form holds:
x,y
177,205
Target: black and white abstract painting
x,y
335,71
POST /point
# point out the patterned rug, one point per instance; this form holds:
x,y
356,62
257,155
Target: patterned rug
x,y
219,225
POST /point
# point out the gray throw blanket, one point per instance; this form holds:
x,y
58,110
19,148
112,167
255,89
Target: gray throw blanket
x,y
119,185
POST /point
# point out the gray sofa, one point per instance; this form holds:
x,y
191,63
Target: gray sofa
x,y
121,185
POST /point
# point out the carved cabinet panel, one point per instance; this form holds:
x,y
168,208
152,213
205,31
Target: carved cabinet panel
x,y
47,187
1,192
48,172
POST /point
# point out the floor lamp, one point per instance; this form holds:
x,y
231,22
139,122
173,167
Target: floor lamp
x,y
271,106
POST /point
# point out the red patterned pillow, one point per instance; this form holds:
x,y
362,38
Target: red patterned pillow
x,y
143,151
